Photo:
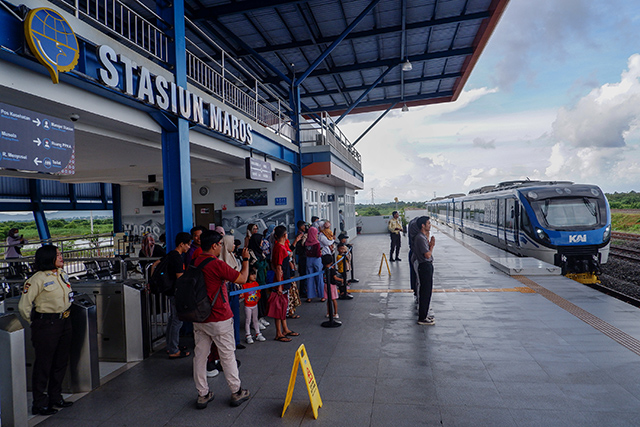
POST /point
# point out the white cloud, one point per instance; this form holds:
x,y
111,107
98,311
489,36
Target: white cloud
x,y
606,115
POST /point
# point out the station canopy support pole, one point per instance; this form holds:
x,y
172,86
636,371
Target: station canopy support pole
x,y
176,161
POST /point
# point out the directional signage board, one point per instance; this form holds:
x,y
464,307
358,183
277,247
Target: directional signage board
x,y
35,142
258,170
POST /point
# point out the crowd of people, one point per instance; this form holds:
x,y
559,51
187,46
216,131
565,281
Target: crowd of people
x,y
228,265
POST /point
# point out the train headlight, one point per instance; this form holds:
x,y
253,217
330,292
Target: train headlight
x,y
532,195
542,235
595,192
607,234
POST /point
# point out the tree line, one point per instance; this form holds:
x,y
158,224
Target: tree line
x,y
58,227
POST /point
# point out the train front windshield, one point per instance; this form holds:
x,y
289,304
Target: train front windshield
x,y
567,214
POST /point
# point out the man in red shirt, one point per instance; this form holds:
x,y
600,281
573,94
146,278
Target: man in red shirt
x,y
218,327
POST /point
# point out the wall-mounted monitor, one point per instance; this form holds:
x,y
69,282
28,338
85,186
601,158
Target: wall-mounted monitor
x,y
153,198
251,197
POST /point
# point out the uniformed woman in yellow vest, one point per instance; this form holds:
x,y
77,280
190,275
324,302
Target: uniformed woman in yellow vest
x,y
45,301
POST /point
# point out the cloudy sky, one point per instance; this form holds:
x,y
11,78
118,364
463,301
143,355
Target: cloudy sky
x,y
554,96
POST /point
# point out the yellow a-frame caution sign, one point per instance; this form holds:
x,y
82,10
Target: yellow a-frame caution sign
x,y
314,394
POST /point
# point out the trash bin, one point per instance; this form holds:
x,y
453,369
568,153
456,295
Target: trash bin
x,y
119,318
84,368
13,376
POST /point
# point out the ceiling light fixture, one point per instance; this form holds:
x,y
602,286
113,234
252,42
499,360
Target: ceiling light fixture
x,y
406,66
405,108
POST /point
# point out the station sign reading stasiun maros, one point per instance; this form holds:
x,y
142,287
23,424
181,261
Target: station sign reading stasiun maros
x,y
37,142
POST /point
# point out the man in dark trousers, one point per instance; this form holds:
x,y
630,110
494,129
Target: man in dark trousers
x,y
395,227
423,262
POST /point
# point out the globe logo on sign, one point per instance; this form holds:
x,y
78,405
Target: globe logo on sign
x,y
52,41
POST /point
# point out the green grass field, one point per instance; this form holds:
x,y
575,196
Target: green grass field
x,y
625,221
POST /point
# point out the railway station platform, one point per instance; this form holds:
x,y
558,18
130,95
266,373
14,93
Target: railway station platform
x,y
506,350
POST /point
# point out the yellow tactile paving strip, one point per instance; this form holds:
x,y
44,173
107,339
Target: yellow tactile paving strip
x,y
598,324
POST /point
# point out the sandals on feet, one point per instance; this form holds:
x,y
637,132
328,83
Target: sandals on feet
x,y
294,316
283,339
179,355
292,334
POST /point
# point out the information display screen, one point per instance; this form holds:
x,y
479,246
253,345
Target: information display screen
x,y
33,141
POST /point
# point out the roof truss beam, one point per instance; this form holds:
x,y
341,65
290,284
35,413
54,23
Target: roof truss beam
x,y
375,32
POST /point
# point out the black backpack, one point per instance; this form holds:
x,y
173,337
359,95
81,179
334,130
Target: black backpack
x,y
160,281
192,300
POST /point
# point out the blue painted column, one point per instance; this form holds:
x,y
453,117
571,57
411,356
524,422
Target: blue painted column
x,y
176,161
298,201
117,208
38,210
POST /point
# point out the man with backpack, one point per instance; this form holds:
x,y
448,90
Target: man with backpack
x,y
174,269
218,327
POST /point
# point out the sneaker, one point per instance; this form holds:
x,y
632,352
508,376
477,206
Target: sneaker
x,y
260,337
203,401
428,321
263,321
261,326
239,397
212,373
398,259
249,339
336,316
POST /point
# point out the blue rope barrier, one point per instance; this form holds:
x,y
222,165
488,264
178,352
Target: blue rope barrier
x,y
284,282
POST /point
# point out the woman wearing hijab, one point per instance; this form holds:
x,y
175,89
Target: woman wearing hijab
x,y
326,238
315,286
251,230
258,261
149,250
228,256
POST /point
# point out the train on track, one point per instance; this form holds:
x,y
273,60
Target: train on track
x,y
558,222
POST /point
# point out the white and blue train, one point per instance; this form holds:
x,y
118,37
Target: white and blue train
x,y
561,223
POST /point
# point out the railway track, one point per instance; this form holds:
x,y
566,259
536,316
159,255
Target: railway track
x,y
624,252
628,237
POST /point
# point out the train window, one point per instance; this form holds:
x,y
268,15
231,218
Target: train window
x,y
526,223
567,213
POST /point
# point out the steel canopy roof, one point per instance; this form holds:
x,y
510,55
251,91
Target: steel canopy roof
x,y
279,40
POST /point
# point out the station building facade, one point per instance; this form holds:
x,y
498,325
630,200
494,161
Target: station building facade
x,y
178,138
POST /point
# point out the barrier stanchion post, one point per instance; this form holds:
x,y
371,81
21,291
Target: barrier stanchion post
x,y
331,323
352,280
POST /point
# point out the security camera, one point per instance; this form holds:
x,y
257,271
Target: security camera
x,y
74,117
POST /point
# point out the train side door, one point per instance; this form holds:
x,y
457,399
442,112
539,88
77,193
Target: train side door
x,y
501,221
511,222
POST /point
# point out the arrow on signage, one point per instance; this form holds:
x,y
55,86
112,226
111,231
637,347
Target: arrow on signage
x,y
36,121
36,161
37,141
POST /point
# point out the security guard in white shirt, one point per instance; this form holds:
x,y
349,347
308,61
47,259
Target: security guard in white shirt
x,y
395,227
46,300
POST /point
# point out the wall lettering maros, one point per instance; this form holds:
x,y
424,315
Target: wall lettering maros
x,y
161,93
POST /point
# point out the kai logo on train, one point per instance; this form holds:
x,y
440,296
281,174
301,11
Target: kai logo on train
x,y
52,41
120,72
578,238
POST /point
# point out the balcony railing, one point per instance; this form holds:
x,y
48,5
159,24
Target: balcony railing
x,y
326,132
225,78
